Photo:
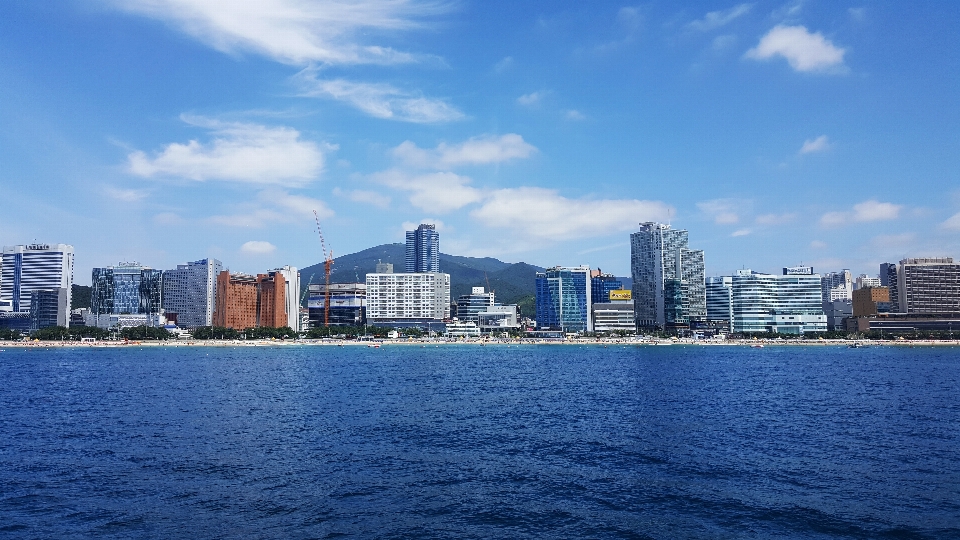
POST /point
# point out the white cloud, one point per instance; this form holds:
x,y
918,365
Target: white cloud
x,y
167,219
258,247
126,195
866,211
366,197
893,242
439,192
475,151
239,152
817,244
543,214
410,225
716,19
952,223
504,64
740,232
775,219
802,50
722,211
379,100
274,206
819,144
573,114
530,99
294,31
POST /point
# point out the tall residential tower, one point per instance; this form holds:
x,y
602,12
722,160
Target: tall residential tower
x,y
668,278
423,249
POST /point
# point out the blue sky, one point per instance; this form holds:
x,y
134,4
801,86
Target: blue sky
x,y
162,131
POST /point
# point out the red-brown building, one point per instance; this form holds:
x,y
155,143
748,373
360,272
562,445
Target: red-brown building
x,y
245,301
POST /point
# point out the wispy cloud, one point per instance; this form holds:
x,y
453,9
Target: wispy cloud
x,y
504,64
722,211
804,51
812,146
126,195
573,114
273,206
439,192
258,247
474,151
740,232
531,99
239,152
295,31
716,19
775,219
544,214
372,198
867,211
952,223
378,100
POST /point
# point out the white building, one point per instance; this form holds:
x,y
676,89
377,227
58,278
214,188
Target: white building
x,y
787,304
836,286
291,279
668,277
190,292
28,268
498,319
863,281
407,298
720,300
459,328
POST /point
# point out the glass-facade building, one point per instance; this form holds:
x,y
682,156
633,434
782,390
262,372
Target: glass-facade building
x,y
423,250
47,308
564,299
719,292
190,292
601,285
127,288
669,287
348,304
469,306
786,304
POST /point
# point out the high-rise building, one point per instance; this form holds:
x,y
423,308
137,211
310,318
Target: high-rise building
x,y
47,308
412,299
601,284
863,281
564,299
27,268
190,292
245,301
423,250
928,286
126,289
469,306
384,268
888,278
836,286
786,304
669,288
719,290
348,304
291,281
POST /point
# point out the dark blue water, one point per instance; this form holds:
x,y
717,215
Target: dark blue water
x,y
480,442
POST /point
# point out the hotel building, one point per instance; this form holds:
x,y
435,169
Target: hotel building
x,y
245,301
34,267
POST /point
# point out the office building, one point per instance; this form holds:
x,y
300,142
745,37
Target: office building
x,y
423,250
928,286
871,301
403,300
291,282
246,301
384,268
348,304
27,268
470,305
564,299
48,307
669,286
498,319
787,304
462,329
863,281
614,313
719,291
126,289
836,286
888,278
601,284
189,292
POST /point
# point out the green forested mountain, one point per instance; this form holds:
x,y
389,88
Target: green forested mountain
x,y
512,282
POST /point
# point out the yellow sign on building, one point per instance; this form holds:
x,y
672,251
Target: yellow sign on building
x,y
621,294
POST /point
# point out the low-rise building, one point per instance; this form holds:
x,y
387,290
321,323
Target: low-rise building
x,y
470,305
498,319
786,304
871,301
462,329
348,304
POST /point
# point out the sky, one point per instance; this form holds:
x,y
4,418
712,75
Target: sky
x,y
814,132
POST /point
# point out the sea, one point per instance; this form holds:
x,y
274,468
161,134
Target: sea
x,y
529,441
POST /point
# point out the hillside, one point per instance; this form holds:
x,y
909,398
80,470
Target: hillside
x,y
512,282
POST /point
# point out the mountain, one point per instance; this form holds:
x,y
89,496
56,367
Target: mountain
x,y
512,282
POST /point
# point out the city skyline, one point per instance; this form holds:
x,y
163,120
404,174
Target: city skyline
x,y
778,133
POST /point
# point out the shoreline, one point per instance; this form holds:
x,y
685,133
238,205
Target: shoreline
x,y
482,343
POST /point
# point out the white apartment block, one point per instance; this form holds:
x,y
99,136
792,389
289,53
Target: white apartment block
x,y
408,297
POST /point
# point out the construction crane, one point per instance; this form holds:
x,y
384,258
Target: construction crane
x,y
327,263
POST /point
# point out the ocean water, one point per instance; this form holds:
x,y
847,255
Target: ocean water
x,y
480,442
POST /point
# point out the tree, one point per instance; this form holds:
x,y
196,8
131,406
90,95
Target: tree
x,y
145,332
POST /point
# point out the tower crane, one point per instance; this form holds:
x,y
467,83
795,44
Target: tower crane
x,y
327,263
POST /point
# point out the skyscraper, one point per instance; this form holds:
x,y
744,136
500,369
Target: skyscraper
x,y
190,292
928,286
564,299
291,283
669,287
126,289
245,301
27,268
423,249
787,304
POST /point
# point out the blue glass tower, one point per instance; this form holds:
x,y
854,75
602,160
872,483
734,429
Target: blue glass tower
x,y
423,249
600,287
563,299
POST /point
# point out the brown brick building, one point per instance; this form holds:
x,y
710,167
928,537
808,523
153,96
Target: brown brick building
x,y
245,301
865,300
